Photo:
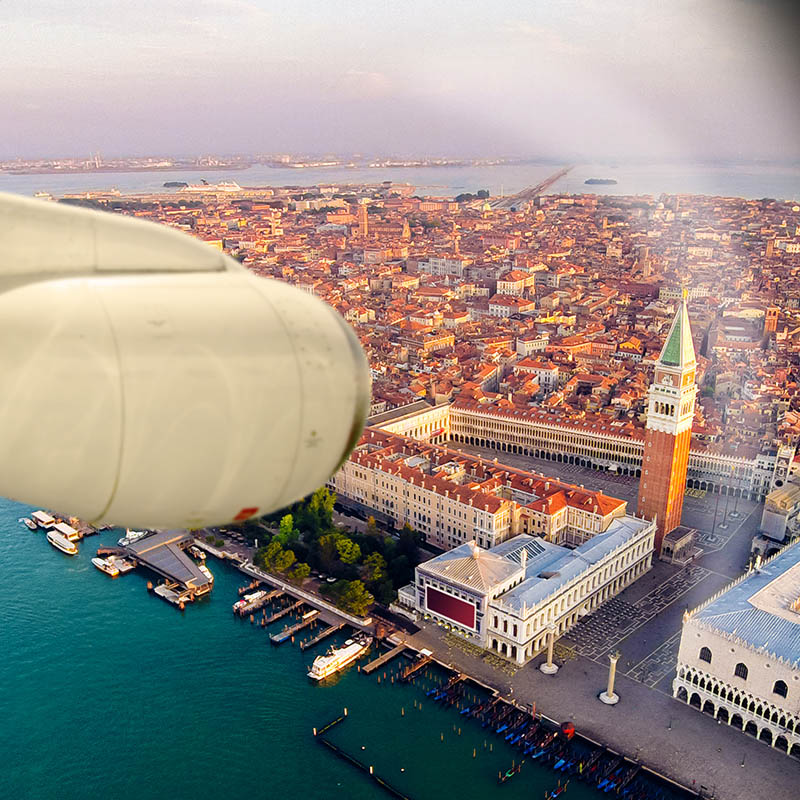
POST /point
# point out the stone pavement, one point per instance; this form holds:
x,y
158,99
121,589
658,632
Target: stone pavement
x,y
602,631
669,737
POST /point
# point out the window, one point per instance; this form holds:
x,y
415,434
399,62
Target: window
x,y
705,655
740,671
779,688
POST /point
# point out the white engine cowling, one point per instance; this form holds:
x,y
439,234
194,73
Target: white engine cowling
x,y
148,380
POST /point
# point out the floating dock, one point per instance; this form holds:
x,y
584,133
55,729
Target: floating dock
x,y
162,553
287,633
169,594
323,635
383,658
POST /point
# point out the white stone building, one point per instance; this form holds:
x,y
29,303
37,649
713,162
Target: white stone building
x,y
739,656
513,597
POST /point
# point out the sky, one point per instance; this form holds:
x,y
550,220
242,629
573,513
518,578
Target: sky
x,y
553,79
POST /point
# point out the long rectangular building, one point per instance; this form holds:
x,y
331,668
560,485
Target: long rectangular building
x,y
604,443
512,597
454,498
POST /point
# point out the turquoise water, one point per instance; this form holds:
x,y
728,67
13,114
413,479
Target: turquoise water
x,y
107,690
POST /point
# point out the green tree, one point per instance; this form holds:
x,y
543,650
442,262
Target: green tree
x,y
299,572
286,528
384,592
327,548
355,598
374,568
284,560
372,526
274,558
270,554
349,551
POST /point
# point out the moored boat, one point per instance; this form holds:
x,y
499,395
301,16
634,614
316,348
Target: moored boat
x,y
248,600
28,523
104,565
60,542
43,519
337,658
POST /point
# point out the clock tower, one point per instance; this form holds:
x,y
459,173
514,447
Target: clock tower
x,y
670,412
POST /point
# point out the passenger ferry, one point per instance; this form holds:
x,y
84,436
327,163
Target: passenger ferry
x,y
338,658
206,571
60,542
106,566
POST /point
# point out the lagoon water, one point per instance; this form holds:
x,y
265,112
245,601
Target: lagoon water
x,y
752,181
107,691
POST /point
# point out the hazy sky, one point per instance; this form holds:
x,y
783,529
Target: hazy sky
x,y
579,79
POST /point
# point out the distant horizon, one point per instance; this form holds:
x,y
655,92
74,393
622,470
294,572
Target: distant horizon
x,y
602,160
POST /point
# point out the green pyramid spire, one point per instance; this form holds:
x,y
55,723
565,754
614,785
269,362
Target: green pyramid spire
x,y
678,349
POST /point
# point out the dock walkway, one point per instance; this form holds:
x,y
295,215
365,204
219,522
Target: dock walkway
x,y
314,600
257,604
283,612
383,658
287,633
412,669
331,629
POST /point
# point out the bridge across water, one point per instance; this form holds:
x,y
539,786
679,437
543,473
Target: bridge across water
x,y
531,193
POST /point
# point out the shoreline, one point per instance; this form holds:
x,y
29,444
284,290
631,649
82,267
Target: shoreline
x,y
612,746
635,739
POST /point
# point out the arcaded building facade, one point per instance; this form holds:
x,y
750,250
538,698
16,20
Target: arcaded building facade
x,y
739,656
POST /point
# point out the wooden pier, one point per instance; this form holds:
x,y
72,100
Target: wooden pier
x,y
323,635
256,604
412,669
369,769
287,633
283,612
383,658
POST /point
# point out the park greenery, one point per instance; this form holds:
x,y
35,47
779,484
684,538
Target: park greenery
x,y
367,566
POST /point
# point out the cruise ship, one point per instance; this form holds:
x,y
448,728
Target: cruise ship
x,y
338,658
222,186
60,542
106,566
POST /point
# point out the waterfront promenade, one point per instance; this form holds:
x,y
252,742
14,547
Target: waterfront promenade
x,y
668,736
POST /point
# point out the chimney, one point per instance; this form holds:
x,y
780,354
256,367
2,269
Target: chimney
x,y
523,557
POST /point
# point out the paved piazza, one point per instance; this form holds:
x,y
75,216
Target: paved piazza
x,y
644,621
644,624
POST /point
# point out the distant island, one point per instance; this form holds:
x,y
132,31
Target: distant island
x,y
600,181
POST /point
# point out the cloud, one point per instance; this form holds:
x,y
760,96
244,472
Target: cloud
x,y
540,35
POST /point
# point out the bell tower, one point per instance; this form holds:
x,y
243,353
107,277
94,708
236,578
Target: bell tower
x,y
670,412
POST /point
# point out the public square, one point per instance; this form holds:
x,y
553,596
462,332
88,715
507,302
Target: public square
x,y
643,623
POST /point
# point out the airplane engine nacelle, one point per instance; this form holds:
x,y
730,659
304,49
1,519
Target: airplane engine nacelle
x,y
148,380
